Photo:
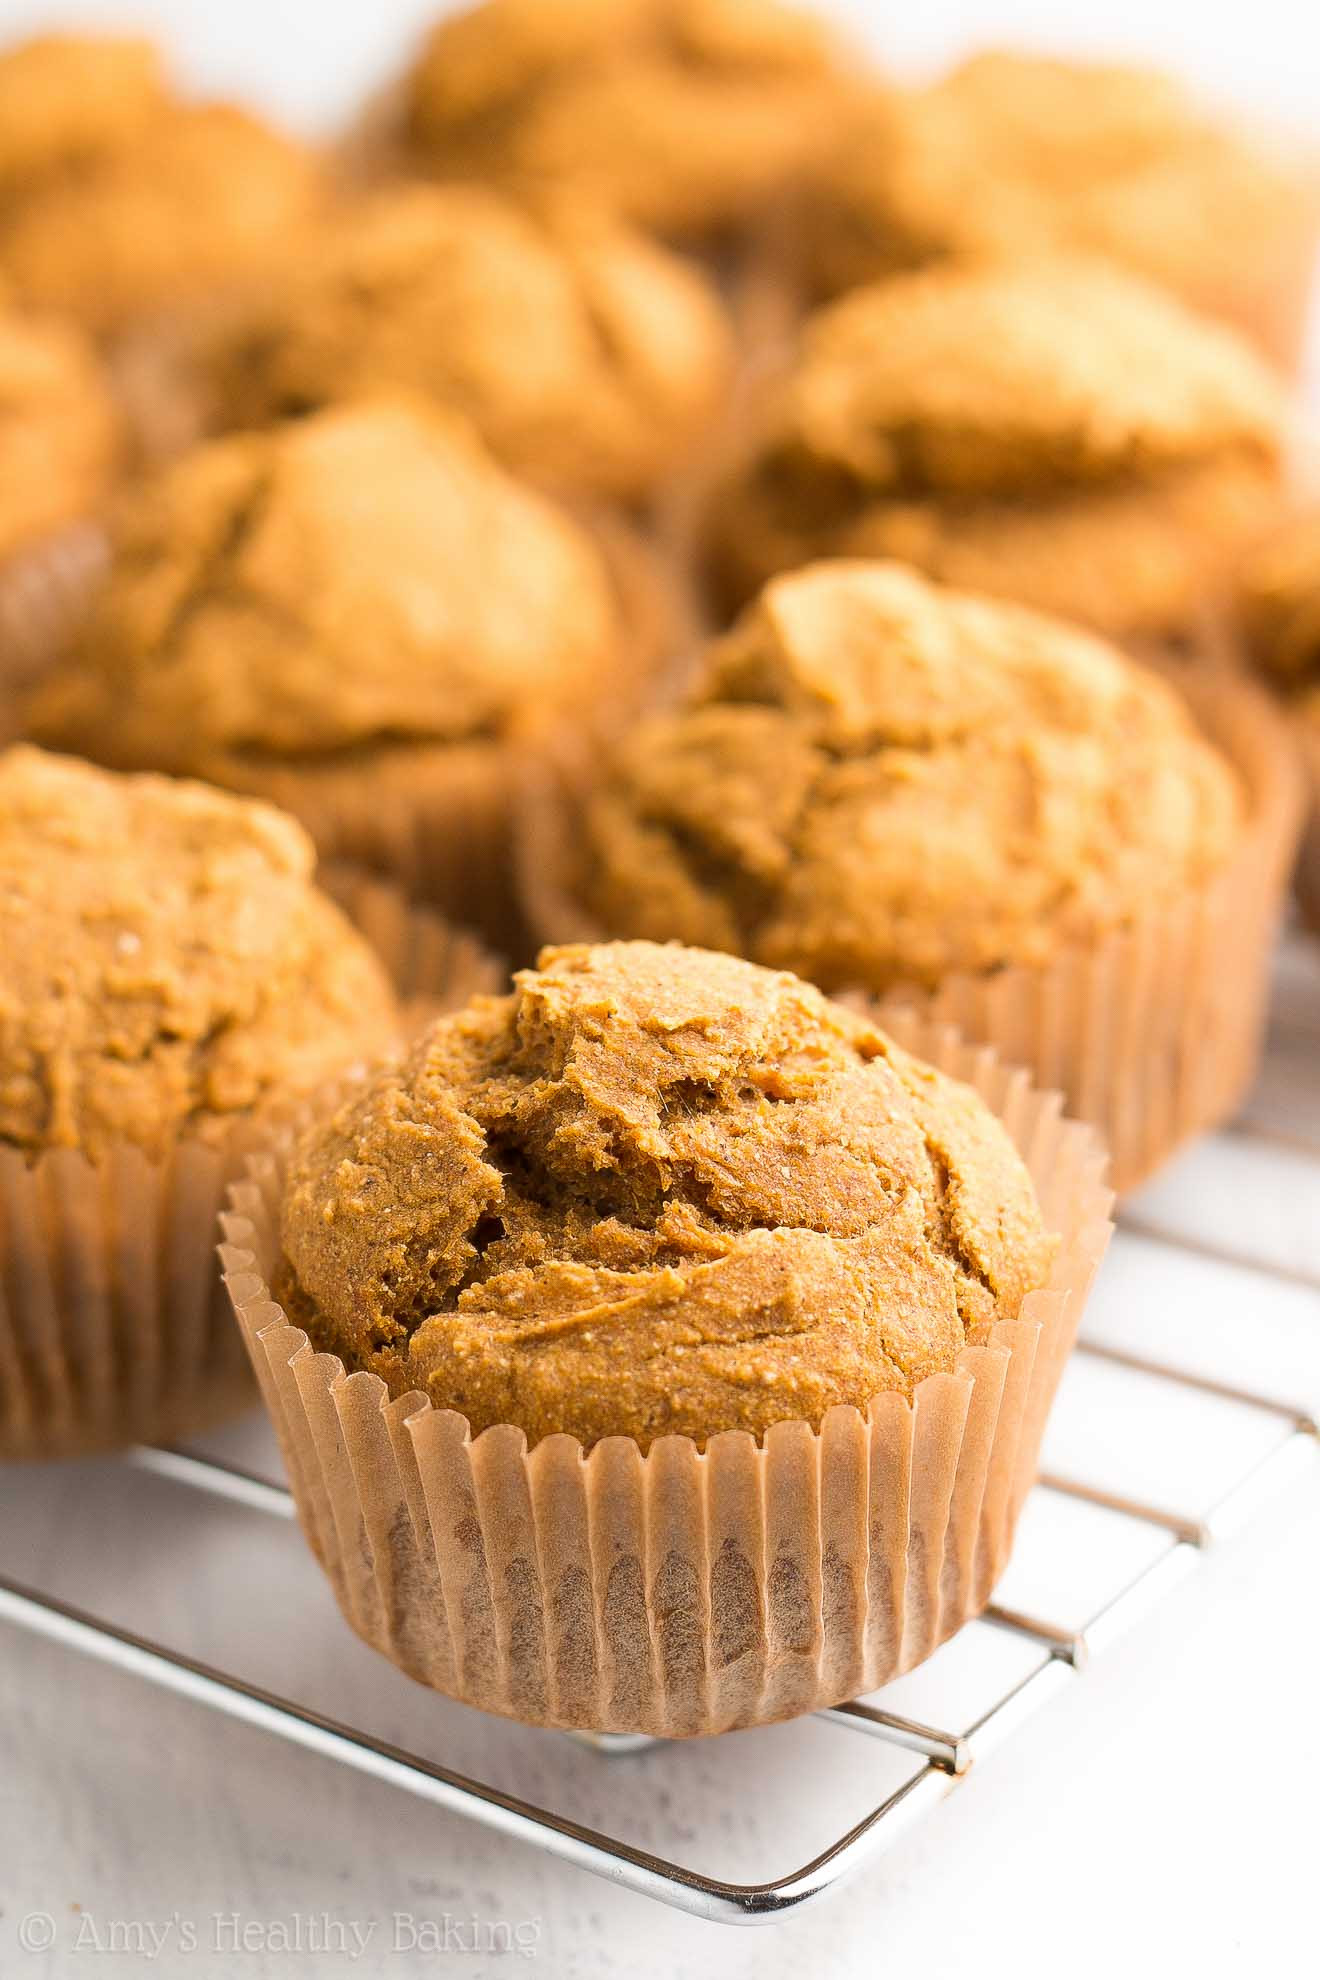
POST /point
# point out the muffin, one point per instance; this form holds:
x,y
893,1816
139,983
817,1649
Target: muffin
x,y
1052,431
681,115
1279,607
642,1258
61,438
192,206
170,979
1017,153
360,617
71,103
435,290
941,799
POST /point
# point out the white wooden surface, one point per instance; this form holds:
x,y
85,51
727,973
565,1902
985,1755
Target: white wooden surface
x,y
1159,1812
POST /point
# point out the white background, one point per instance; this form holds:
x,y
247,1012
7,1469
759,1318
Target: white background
x,y
1160,1814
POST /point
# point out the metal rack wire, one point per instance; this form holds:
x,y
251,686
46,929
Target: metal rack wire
x,y
943,1752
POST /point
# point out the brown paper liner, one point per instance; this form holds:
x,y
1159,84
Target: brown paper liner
x,y
1308,864
678,1592
114,1326
1152,1033
43,593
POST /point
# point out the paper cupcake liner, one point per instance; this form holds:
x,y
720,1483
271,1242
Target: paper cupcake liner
x,y
1153,1033
43,593
114,1326
1308,864
680,1591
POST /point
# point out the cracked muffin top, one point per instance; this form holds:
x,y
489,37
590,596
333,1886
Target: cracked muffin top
x,y
656,1190
192,205
68,102
364,579
436,290
1051,430
1280,608
876,781
61,435
1014,152
166,964
680,114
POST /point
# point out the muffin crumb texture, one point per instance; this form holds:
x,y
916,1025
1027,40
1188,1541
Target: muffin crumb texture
x,y
165,963
656,1191
877,781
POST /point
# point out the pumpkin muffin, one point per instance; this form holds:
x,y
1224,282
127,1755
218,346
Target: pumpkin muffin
x,y
1279,607
170,978
1015,152
361,617
681,115
944,799
656,1191
69,103
747,1277
437,290
1050,431
188,207
61,439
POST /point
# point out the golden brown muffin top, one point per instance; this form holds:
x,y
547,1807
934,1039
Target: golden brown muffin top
x,y
879,781
681,114
1280,603
68,102
60,433
1018,378
196,204
1025,152
166,965
656,1190
586,356
363,579
1052,430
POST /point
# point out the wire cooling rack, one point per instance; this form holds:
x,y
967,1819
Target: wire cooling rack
x,y
1161,1444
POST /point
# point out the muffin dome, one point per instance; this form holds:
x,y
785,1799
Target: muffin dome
x,y
679,114
655,1191
1051,431
877,781
70,102
166,964
1014,153
191,205
289,600
436,290
60,433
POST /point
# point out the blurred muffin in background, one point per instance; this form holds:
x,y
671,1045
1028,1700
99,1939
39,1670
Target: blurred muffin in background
x,y
1052,430
1279,608
361,617
681,115
589,359
69,104
1015,152
961,805
187,207
61,437
171,982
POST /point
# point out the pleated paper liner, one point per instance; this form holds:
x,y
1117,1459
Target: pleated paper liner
x,y
44,589
1308,865
681,1591
1152,1033
114,1326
